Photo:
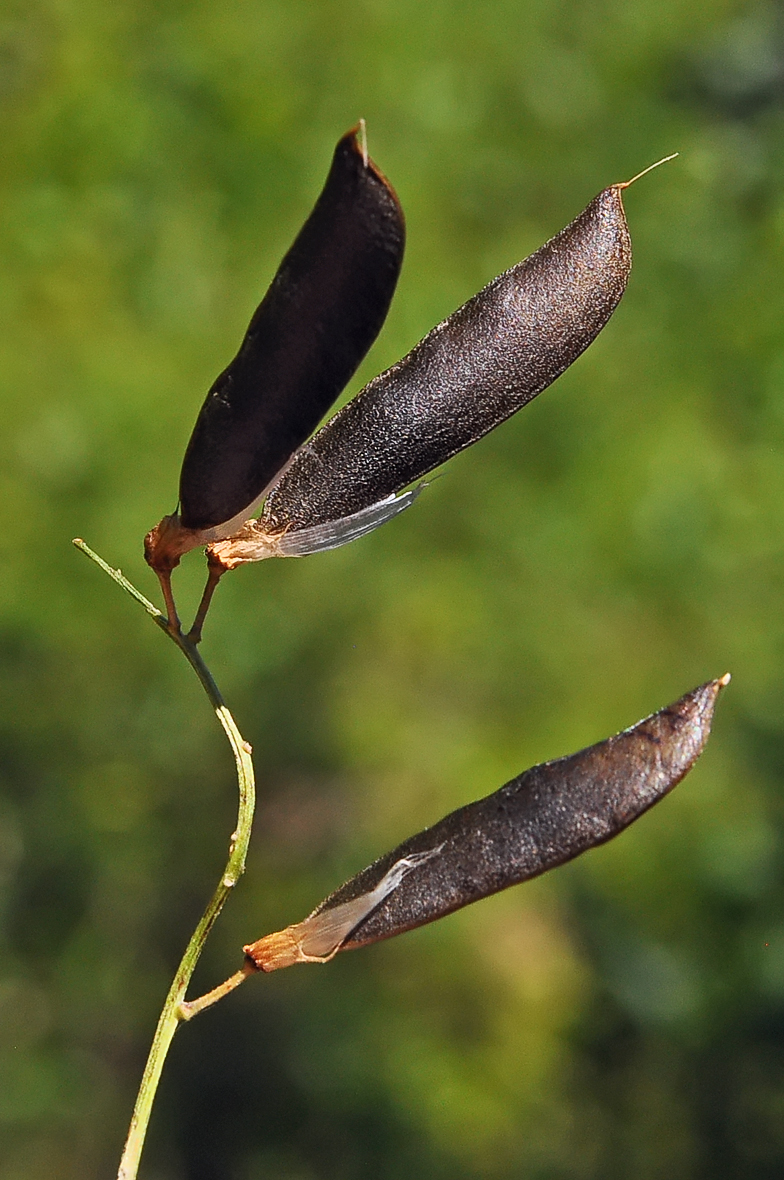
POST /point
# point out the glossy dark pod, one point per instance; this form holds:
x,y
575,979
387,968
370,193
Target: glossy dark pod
x,y
320,316
546,816
473,371
314,326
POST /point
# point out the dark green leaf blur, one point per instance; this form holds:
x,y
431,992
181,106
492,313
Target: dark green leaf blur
x,y
615,544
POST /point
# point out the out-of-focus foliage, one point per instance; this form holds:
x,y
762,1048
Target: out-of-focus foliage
x,y
618,542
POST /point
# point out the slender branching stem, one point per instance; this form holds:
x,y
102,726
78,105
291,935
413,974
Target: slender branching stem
x,y
164,577
214,575
175,1010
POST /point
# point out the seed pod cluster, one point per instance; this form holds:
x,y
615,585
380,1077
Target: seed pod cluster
x,y
322,312
546,816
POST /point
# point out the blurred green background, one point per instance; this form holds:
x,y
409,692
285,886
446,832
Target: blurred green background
x,y
618,542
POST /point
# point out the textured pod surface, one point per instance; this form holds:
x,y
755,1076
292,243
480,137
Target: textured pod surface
x,y
546,816
321,314
470,373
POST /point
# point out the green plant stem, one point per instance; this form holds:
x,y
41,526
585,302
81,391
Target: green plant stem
x,y
174,1011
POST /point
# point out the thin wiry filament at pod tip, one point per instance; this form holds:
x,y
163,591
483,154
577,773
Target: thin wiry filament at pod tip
x,y
650,168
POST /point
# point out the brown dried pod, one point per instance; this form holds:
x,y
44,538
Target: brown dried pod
x,y
321,314
472,372
546,816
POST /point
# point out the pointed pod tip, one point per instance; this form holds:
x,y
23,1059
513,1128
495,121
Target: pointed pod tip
x,y
357,135
696,711
363,141
705,696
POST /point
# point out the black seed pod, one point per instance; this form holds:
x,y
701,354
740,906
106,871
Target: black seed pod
x,y
547,816
473,371
322,312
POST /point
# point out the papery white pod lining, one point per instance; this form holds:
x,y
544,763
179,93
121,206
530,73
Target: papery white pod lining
x,y
320,936
254,543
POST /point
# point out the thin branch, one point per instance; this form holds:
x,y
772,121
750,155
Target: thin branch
x,y
174,1011
214,574
191,1008
164,577
176,636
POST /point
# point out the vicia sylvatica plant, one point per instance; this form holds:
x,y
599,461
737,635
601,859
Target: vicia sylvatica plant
x,y
254,448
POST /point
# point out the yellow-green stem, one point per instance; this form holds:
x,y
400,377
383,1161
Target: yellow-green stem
x,y
173,1014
